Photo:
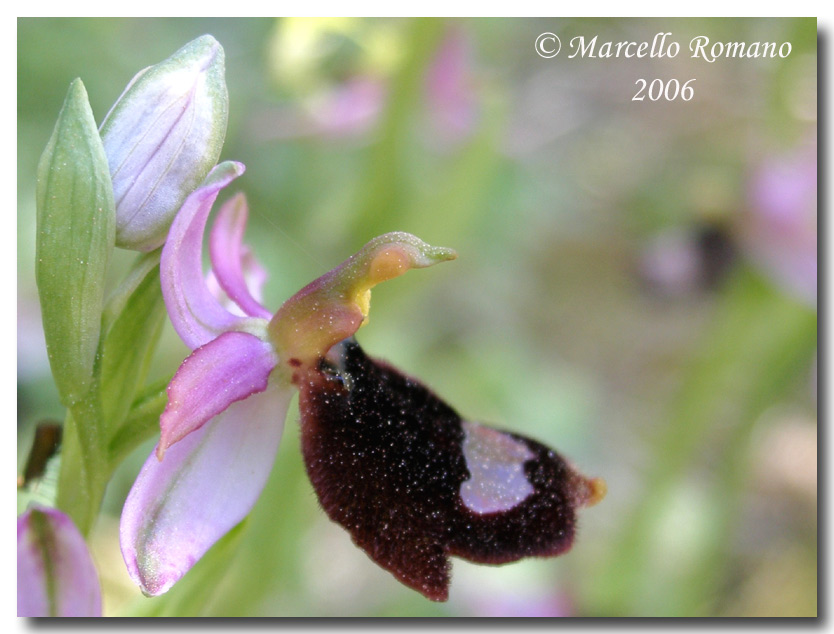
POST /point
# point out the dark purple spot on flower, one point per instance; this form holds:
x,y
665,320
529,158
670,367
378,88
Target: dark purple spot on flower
x,y
413,483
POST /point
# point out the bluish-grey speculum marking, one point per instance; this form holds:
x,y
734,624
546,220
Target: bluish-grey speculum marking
x,y
496,462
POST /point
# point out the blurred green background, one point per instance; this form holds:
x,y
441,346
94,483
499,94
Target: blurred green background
x,y
636,287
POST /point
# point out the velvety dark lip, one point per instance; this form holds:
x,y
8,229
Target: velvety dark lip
x,y
385,457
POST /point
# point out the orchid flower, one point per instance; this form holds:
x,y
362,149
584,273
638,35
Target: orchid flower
x,y
223,422
408,478
55,572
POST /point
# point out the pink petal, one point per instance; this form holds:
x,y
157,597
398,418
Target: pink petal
x,y
207,483
255,276
51,553
228,252
196,314
225,370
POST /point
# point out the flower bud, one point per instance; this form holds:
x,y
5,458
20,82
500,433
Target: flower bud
x,y
162,137
55,573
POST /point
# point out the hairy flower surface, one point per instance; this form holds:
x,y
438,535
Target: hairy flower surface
x,y
409,479
414,483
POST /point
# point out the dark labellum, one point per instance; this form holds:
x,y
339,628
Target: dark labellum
x,y
414,483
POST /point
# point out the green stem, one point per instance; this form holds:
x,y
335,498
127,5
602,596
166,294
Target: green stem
x,y
83,475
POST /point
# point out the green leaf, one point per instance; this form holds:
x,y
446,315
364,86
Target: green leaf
x,y
129,343
76,232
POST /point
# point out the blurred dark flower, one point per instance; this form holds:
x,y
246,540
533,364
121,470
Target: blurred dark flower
x,y
682,261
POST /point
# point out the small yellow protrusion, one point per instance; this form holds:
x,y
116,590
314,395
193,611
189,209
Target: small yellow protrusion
x,y
362,298
389,263
598,489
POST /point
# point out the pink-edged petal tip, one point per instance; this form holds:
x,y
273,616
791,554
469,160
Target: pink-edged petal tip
x,y
227,369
